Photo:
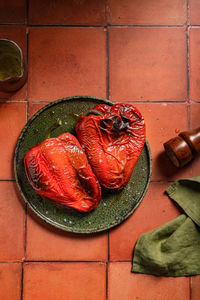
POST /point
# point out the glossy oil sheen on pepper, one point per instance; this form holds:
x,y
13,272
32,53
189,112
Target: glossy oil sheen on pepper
x,y
113,142
58,170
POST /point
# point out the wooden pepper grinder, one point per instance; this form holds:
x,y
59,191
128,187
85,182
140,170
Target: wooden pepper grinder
x,y
184,147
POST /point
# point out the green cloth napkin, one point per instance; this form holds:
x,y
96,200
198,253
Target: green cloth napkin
x,y
174,248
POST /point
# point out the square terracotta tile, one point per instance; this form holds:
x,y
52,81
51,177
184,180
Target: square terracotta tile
x,y
195,123
13,118
64,281
12,11
195,63
78,12
194,12
12,223
47,243
195,287
125,285
147,64
154,210
63,62
159,130
10,287
18,35
194,115
144,12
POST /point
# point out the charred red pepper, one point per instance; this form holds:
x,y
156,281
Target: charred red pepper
x,y
58,170
112,142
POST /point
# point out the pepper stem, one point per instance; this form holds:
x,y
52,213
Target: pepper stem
x,y
52,127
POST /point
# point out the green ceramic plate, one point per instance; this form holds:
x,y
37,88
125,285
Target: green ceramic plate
x,y
114,208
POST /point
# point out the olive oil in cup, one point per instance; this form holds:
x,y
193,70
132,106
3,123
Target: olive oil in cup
x,y
13,71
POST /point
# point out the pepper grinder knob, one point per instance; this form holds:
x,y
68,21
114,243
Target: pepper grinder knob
x,y
184,147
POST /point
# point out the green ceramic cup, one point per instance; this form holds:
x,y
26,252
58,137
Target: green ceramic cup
x,y
13,71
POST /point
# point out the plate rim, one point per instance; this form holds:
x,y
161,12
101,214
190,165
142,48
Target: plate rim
x,y
54,223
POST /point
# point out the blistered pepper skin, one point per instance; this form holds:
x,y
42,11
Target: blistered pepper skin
x,y
58,170
112,142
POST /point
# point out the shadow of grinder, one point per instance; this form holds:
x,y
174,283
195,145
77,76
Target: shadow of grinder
x,y
183,148
13,70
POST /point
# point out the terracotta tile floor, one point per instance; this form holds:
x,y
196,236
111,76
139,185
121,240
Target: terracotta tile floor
x,y
146,52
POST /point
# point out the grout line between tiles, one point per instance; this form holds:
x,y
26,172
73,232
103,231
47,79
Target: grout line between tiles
x,y
27,103
63,261
188,57
188,64
107,281
8,100
27,12
25,230
128,101
27,45
154,101
78,261
27,111
22,282
10,262
107,66
11,180
65,26
108,240
146,25
108,24
93,25
195,101
12,24
27,58
194,26
66,261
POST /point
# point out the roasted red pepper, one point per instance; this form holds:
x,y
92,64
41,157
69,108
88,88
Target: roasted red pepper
x,y
112,142
58,170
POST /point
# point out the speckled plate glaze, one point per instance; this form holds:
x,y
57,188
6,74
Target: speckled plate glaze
x,y
114,208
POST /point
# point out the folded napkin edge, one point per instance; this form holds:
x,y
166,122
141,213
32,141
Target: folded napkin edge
x,y
171,192
137,268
